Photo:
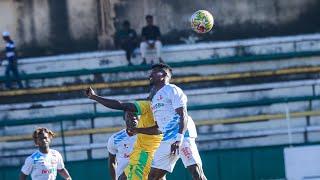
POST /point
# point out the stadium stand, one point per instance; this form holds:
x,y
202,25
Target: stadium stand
x,y
234,97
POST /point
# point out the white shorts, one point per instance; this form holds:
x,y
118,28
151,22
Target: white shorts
x,y
188,152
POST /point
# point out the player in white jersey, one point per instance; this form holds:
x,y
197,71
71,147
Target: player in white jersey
x,y
45,162
169,106
120,146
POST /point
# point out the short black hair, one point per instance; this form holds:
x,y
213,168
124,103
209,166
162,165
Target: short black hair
x,y
162,66
149,16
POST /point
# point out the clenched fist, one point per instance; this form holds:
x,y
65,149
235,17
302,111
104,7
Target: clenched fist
x,y
90,92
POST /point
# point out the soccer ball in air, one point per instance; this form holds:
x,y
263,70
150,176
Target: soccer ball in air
x,y
202,21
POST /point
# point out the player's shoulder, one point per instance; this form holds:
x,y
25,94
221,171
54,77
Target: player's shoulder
x,y
54,152
119,136
172,87
35,155
143,102
119,133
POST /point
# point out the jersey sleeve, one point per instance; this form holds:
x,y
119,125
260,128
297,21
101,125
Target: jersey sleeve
x,y
111,147
60,161
178,98
27,166
143,107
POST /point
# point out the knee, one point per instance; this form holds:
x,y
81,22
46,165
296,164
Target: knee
x,y
156,175
158,44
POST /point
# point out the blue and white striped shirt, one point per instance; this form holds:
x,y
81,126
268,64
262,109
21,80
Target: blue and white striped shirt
x,y
10,49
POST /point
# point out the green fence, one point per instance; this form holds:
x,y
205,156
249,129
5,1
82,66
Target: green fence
x,y
232,164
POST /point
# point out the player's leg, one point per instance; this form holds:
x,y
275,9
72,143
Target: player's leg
x,y
122,176
163,162
191,158
156,174
196,172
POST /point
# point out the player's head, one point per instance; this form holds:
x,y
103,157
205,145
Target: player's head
x,y
42,137
6,36
126,24
149,19
131,119
160,73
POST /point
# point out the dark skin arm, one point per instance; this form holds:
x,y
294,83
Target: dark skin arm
x,y
112,166
110,103
23,176
64,173
182,112
149,130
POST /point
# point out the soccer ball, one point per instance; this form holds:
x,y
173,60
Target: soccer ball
x,y
202,21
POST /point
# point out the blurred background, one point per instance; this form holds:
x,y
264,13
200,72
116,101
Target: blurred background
x,y
252,82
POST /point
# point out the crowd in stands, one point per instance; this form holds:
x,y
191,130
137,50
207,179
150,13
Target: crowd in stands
x,y
126,38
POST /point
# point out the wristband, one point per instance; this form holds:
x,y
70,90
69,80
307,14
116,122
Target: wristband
x,y
179,137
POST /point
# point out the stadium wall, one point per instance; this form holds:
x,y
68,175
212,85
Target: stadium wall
x,y
51,27
246,163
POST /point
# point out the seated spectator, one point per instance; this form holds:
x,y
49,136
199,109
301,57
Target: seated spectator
x,y
12,61
151,39
127,39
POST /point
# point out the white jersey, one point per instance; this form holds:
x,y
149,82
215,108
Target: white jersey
x,y
164,103
43,166
121,144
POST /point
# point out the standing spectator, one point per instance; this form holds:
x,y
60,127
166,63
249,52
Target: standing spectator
x,y
151,39
12,61
127,39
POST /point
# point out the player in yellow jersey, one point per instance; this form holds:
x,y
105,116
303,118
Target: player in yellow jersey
x,y
148,135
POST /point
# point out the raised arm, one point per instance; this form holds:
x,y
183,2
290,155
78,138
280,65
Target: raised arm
x,y
154,130
110,103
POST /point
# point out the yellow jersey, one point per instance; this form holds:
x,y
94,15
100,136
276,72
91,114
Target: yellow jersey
x,y
147,142
145,145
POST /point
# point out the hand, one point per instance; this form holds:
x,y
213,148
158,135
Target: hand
x,y
132,126
90,93
175,147
133,130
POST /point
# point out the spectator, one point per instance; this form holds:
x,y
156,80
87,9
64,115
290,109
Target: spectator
x,y
12,61
151,39
127,39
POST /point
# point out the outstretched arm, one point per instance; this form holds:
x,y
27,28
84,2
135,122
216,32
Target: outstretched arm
x,y
154,130
110,103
